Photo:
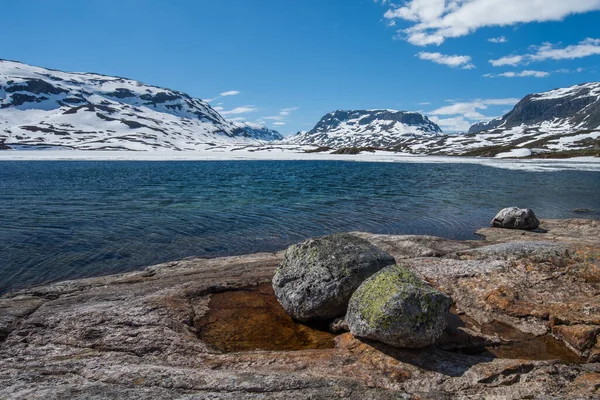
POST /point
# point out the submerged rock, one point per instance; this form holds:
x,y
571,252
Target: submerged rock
x,y
516,218
318,276
396,307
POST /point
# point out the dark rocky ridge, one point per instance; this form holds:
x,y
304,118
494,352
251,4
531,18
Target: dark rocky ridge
x,y
578,107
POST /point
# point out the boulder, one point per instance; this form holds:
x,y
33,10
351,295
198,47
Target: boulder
x,y
396,307
516,218
318,276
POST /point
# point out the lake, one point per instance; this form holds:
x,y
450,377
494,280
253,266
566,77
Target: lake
x,y
71,219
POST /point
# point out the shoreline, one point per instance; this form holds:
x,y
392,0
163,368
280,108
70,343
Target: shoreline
x,y
577,163
522,319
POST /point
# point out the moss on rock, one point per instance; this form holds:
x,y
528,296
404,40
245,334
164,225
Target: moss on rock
x,y
398,308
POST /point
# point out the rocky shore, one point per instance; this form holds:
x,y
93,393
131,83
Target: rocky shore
x,y
525,323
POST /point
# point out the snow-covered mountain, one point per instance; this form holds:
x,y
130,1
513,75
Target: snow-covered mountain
x,y
558,120
256,131
368,128
40,106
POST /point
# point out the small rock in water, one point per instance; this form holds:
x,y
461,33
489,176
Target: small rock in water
x,y
396,307
583,210
516,218
318,276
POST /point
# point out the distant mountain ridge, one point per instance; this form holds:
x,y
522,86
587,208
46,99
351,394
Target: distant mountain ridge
x,y
570,109
368,128
90,111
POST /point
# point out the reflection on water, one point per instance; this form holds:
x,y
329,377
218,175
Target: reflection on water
x,y
63,220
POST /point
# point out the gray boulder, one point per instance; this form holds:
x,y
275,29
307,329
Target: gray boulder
x,y
396,307
516,218
318,276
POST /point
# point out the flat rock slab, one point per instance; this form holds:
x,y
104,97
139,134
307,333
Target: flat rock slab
x,y
136,335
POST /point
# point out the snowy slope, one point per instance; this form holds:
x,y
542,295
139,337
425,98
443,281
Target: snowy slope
x,y
94,112
256,131
557,120
368,128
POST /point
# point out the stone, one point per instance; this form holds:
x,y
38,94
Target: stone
x,y
516,218
579,338
396,307
141,334
538,251
318,276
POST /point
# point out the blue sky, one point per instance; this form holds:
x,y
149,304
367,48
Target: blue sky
x,y
286,63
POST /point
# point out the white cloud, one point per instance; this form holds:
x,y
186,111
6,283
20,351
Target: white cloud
x,y
469,109
238,119
459,116
508,60
501,39
454,124
282,114
548,51
425,103
230,93
240,110
433,21
218,108
450,60
279,123
522,74
585,48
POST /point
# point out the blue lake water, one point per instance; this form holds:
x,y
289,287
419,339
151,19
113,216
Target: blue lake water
x,y
68,219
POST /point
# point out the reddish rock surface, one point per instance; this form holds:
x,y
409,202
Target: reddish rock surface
x,y
521,328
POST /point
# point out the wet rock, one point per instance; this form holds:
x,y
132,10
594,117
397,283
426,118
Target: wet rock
x,y
579,338
396,307
583,210
516,218
318,276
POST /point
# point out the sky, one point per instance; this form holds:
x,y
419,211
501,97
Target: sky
x,y
287,63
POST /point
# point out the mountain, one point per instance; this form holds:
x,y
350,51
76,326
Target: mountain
x,y
90,111
256,131
368,128
569,109
565,119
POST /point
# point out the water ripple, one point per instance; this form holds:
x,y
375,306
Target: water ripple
x,y
64,220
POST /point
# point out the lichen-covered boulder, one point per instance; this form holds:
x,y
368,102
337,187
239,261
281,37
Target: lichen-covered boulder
x,y
318,276
516,218
396,307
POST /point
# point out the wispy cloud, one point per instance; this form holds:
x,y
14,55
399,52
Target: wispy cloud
x,y
548,51
508,60
240,110
501,39
230,93
460,115
281,115
434,21
453,124
279,123
224,94
521,74
453,61
469,108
